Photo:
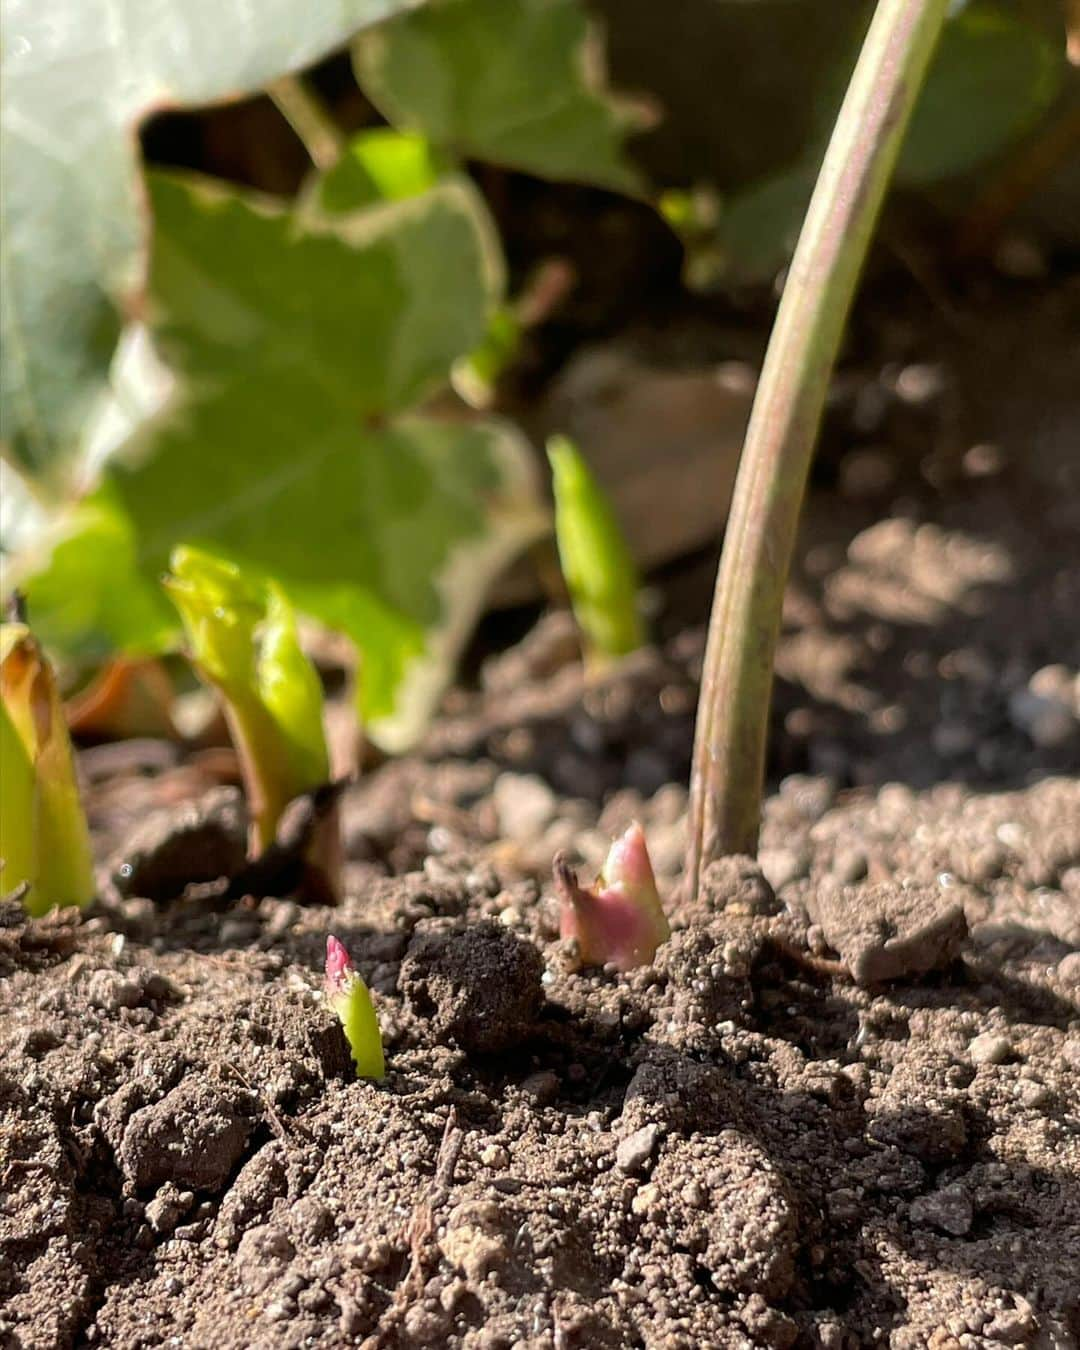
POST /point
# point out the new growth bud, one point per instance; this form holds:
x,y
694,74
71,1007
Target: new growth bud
x,y
348,995
597,564
44,840
245,642
619,920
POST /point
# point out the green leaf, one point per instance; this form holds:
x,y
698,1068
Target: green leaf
x,y
992,78
516,82
348,996
296,344
385,165
291,692
360,1023
84,587
357,314
77,79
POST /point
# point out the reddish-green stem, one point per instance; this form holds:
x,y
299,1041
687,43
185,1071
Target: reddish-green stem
x,y
729,751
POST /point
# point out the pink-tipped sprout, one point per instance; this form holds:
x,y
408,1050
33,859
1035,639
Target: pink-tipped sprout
x,y
619,920
348,995
338,968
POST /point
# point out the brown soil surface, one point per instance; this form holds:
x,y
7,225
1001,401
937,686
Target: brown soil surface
x,y
841,1109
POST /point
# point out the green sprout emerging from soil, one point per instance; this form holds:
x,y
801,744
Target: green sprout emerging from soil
x,y
44,841
619,920
243,639
596,559
348,995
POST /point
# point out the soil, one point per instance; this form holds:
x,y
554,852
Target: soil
x,y
842,1107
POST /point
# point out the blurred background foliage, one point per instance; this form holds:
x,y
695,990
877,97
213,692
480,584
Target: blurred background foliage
x,y
281,389
735,98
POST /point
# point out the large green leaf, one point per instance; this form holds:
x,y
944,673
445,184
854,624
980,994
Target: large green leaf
x,y
76,79
993,77
297,344
516,82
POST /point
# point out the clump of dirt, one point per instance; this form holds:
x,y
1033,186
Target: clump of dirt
x,y
475,984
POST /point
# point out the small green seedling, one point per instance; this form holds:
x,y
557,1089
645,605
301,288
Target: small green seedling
x,y
243,639
619,920
348,995
596,560
44,840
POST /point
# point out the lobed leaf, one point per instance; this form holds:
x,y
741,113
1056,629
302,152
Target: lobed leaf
x,y
76,80
296,340
516,82
993,76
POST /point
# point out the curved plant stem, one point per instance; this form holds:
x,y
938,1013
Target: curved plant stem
x,y
309,119
729,750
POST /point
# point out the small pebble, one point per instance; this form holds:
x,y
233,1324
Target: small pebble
x,y
111,991
494,1155
920,382
524,805
1035,1096
645,1199
636,1149
1047,719
782,866
990,1048
983,460
810,794
1068,969
167,1208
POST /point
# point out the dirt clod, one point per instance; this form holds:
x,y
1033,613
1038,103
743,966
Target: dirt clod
x,y
198,842
477,985
193,1137
745,1235
737,884
890,932
949,1209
